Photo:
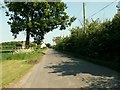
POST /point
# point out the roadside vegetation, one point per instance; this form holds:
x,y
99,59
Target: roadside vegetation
x,y
100,44
16,64
36,19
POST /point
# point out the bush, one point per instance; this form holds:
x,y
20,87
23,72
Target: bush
x,y
102,40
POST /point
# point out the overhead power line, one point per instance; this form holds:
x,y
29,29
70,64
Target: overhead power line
x,y
80,22
102,9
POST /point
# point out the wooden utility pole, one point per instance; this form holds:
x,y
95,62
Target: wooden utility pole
x,y
84,16
118,6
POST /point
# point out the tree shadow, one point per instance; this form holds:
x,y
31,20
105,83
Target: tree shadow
x,y
76,67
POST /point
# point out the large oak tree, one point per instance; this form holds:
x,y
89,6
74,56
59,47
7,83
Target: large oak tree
x,y
37,18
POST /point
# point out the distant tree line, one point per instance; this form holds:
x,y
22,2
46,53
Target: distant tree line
x,y
102,40
9,45
15,44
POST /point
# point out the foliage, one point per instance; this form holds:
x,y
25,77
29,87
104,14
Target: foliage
x,y
32,44
13,45
9,45
57,40
37,18
48,45
102,40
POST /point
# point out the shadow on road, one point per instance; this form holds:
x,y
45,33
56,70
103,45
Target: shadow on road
x,y
76,67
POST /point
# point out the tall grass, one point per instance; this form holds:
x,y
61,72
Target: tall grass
x,y
22,56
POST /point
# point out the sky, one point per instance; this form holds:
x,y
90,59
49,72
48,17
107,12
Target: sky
x,y
74,9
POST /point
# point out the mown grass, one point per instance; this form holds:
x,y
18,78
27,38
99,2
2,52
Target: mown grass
x,y
14,66
12,70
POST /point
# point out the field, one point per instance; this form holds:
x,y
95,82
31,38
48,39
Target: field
x,y
15,65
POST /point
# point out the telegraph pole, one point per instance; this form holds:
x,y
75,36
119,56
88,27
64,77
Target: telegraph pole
x,y
118,6
84,16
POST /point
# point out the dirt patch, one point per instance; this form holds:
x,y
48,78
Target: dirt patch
x,y
32,61
43,53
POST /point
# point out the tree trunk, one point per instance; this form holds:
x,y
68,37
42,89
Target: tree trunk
x,y
27,38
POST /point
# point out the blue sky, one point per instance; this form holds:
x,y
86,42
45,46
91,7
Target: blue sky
x,y
74,9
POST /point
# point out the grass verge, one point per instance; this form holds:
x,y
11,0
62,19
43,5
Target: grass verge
x,y
18,65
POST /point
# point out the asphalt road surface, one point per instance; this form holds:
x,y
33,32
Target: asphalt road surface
x,y
57,70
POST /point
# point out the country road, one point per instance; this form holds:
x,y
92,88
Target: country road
x,y
57,70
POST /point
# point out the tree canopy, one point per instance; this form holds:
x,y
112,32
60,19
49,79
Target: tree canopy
x,y
37,18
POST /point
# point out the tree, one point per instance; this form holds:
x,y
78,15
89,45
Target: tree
x,y
57,40
37,18
48,45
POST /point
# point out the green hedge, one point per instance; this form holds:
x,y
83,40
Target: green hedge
x,y
101,42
